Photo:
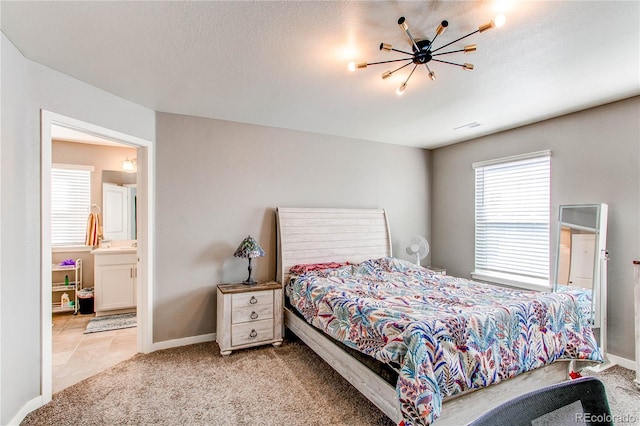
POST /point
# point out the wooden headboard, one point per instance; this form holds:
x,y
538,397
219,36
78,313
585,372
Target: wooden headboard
x,y
315,235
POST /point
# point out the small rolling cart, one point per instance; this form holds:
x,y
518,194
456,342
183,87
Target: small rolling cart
x,y
66,279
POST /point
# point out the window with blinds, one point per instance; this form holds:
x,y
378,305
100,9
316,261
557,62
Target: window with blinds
x,y
512,210
70,203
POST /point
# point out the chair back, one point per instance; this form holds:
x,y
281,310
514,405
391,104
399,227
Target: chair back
x,y
576,402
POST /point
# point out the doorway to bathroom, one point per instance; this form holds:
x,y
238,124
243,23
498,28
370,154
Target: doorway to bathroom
x,y
75,354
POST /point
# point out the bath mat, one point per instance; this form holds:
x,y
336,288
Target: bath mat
x,y
111,322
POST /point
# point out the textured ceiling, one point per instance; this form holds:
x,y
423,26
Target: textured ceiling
x,y
283,64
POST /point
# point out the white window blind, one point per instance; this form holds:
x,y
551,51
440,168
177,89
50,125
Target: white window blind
x,y
70,203
512,218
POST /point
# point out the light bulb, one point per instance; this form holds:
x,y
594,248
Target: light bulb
x,y
432,75
386,74
352,66
402,88
499,20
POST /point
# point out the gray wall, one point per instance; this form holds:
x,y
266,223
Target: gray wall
x,y
26,88
218,181
595,159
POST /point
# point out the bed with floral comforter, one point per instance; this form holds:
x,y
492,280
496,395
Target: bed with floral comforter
x,y
448,334
583,296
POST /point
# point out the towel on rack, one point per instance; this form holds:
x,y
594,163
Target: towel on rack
x,y
94,230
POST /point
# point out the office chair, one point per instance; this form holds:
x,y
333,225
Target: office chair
x,y
575,402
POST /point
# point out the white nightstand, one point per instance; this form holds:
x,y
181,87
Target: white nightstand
x,y
248,315
437,270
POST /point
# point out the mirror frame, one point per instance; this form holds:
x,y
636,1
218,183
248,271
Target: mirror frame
x,y
598,318
122,179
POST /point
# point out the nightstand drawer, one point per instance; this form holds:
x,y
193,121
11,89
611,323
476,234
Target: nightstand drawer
x,y
264,297
251,313
251,332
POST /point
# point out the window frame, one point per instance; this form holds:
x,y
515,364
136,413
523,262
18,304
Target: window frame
x,y
510,278
70,245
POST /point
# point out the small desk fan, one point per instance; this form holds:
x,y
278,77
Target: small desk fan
x,y
417,246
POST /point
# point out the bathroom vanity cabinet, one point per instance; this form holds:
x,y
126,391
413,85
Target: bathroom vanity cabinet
x,y
115,279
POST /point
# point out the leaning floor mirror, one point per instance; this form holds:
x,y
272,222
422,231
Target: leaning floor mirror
x,y
581,261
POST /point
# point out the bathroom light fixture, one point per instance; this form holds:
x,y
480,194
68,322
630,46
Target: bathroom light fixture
x,y
423,51
128,165
248,249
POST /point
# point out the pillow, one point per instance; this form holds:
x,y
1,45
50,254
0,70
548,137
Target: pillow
x,y
299,269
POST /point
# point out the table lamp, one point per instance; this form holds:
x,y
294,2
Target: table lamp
x,y
248,249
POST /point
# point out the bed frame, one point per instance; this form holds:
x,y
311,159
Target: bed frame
x,y
317,235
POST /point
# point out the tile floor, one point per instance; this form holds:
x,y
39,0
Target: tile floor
x,y
77,356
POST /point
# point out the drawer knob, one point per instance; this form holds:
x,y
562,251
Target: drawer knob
x,y
253,315
253,334
253,300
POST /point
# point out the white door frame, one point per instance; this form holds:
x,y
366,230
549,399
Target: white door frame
x,y
146,185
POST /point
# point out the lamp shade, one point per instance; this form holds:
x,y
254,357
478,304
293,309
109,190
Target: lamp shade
x,y
249,248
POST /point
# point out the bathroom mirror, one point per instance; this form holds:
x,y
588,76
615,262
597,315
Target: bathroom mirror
x,y
581,267
119,205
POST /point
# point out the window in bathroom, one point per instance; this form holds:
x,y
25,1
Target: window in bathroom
x,y
70,203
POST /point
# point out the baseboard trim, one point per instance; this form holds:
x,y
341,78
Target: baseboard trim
x,y
34,404
622,362
167,344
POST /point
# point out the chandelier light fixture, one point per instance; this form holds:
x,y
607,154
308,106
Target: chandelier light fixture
x,y
423,51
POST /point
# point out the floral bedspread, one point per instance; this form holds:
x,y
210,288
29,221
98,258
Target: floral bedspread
x,y
583,297
448,334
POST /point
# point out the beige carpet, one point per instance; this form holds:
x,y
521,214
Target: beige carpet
x,y
195,385
262,386
622,393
